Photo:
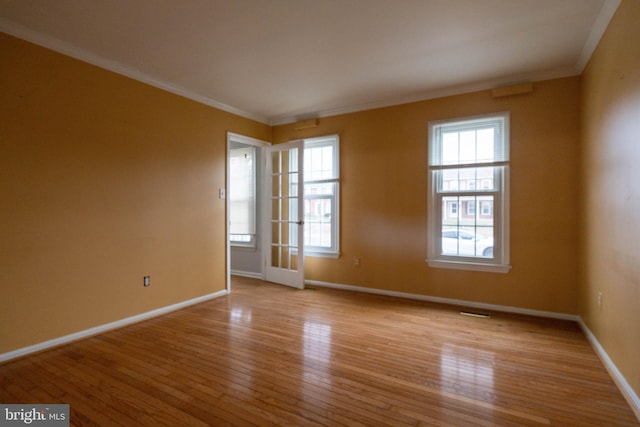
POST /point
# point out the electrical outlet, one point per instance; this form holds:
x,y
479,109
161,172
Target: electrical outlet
x,y
147,281
356,262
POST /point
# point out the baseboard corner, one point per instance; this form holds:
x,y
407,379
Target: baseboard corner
x,y
621,382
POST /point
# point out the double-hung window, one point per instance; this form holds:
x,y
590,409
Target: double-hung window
x,y
242,196
468,197
321,196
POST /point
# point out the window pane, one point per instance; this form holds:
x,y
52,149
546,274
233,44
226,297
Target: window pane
x,y
315,189
471,207
318,214
469,179
318,233
275,256
242,193
319,163
450,211
292,159
276,163
466,230
450,180
450,148
485,148
486,208
467,147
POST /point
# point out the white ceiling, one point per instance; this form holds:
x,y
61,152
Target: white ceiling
x,y
283,60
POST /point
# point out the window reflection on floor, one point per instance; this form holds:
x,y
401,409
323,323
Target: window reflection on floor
x,y
467,368
239,315
317,356
317,340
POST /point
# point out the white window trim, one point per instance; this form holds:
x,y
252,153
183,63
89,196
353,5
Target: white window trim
x,y
317,251
500,205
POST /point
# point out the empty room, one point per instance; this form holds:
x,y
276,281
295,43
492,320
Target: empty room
x,y
320,212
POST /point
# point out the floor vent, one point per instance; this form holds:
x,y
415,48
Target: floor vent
x,y
472,314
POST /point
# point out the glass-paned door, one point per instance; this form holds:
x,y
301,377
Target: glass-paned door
x,y
284,249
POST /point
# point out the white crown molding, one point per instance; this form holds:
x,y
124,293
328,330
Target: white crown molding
x,y
67,49
104,328
449,301
606,13
433,94
597,31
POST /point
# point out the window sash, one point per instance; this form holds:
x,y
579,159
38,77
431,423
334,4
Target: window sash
x,y
467,221
463,182
322,172
242,195
490,174
319,233
498,124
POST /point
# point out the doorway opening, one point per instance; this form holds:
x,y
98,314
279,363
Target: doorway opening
x,y
244,206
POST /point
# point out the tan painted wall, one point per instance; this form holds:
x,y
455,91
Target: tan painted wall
x,y
103,180
611,186
384,199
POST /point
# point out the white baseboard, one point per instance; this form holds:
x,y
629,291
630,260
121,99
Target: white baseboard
x,y
250,274
450,301
626,390
107,327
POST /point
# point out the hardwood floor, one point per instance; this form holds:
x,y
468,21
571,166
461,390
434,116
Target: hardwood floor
x,y
270,355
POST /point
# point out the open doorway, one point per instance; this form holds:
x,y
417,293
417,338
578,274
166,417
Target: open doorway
x,y
282,206
244,204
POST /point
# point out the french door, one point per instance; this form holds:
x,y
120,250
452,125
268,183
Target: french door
x,y
284,240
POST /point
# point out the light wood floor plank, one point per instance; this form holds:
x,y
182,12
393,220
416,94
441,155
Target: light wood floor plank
x,y
270,355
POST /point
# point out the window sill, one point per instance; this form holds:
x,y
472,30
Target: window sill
x,y
458,265
334,255
245,248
